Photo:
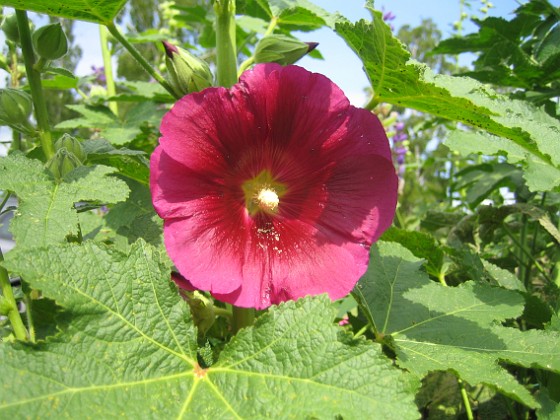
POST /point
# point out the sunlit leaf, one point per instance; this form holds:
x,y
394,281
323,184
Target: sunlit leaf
x,y
131,349
99,11
401,82
434,327
46,213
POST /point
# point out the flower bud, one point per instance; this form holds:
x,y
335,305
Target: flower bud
x,y
50,41
62,163
188,73
72,145
15,106
10,28
281,49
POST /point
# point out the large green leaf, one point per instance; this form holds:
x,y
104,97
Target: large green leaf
x,y
46,213
452,328
99,11
131,350
399,81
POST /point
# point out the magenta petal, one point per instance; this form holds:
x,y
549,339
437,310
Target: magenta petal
x,y
294,134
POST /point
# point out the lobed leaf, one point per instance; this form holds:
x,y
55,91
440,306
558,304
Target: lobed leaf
x,y
131,350
46,213
398,81
452,328
98,11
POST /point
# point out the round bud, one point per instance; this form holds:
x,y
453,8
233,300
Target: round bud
x,y
15,106
62,163
10,28
50,41
71,144
187,72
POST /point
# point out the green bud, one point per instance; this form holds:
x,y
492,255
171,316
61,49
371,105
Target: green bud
x,y
10,28
50,41
62,163
72,145
15,107
187,72
281,49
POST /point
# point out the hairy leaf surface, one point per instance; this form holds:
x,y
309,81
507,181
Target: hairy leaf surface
x,y
131,350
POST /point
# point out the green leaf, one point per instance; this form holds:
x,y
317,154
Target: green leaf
x,y
131,163
135,218
401,82
46,214
421,244
481,180
115,130
142,91
539,174
452,328
94,11
131,348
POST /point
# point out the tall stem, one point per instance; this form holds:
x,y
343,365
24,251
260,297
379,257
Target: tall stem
x,y
13,313
34,80
226,50
138,57
108,68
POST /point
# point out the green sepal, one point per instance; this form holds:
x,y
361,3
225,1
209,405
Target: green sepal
x,y
73,145
50,41
187,73
10,28
15,107
62,163
281,49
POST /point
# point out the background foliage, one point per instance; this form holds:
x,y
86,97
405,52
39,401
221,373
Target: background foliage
x,y
457,315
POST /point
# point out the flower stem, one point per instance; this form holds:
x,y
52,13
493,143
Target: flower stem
x,y
226,49
247,63
242,317
466,401
138,57
108,68
35,85
13,313
29,312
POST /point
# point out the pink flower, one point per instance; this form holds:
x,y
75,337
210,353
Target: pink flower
x,y
273,189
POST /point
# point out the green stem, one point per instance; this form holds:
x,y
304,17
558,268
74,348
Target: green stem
x,y
138,57
441,278
29,312
247,63
13,313
525,252
222,312
466,401
359,298
226,50
108,68
34,80
242,317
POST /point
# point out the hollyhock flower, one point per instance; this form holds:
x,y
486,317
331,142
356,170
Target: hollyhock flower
x,y
273,189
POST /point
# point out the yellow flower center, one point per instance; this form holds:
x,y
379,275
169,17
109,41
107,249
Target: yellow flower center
x,y
263,193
